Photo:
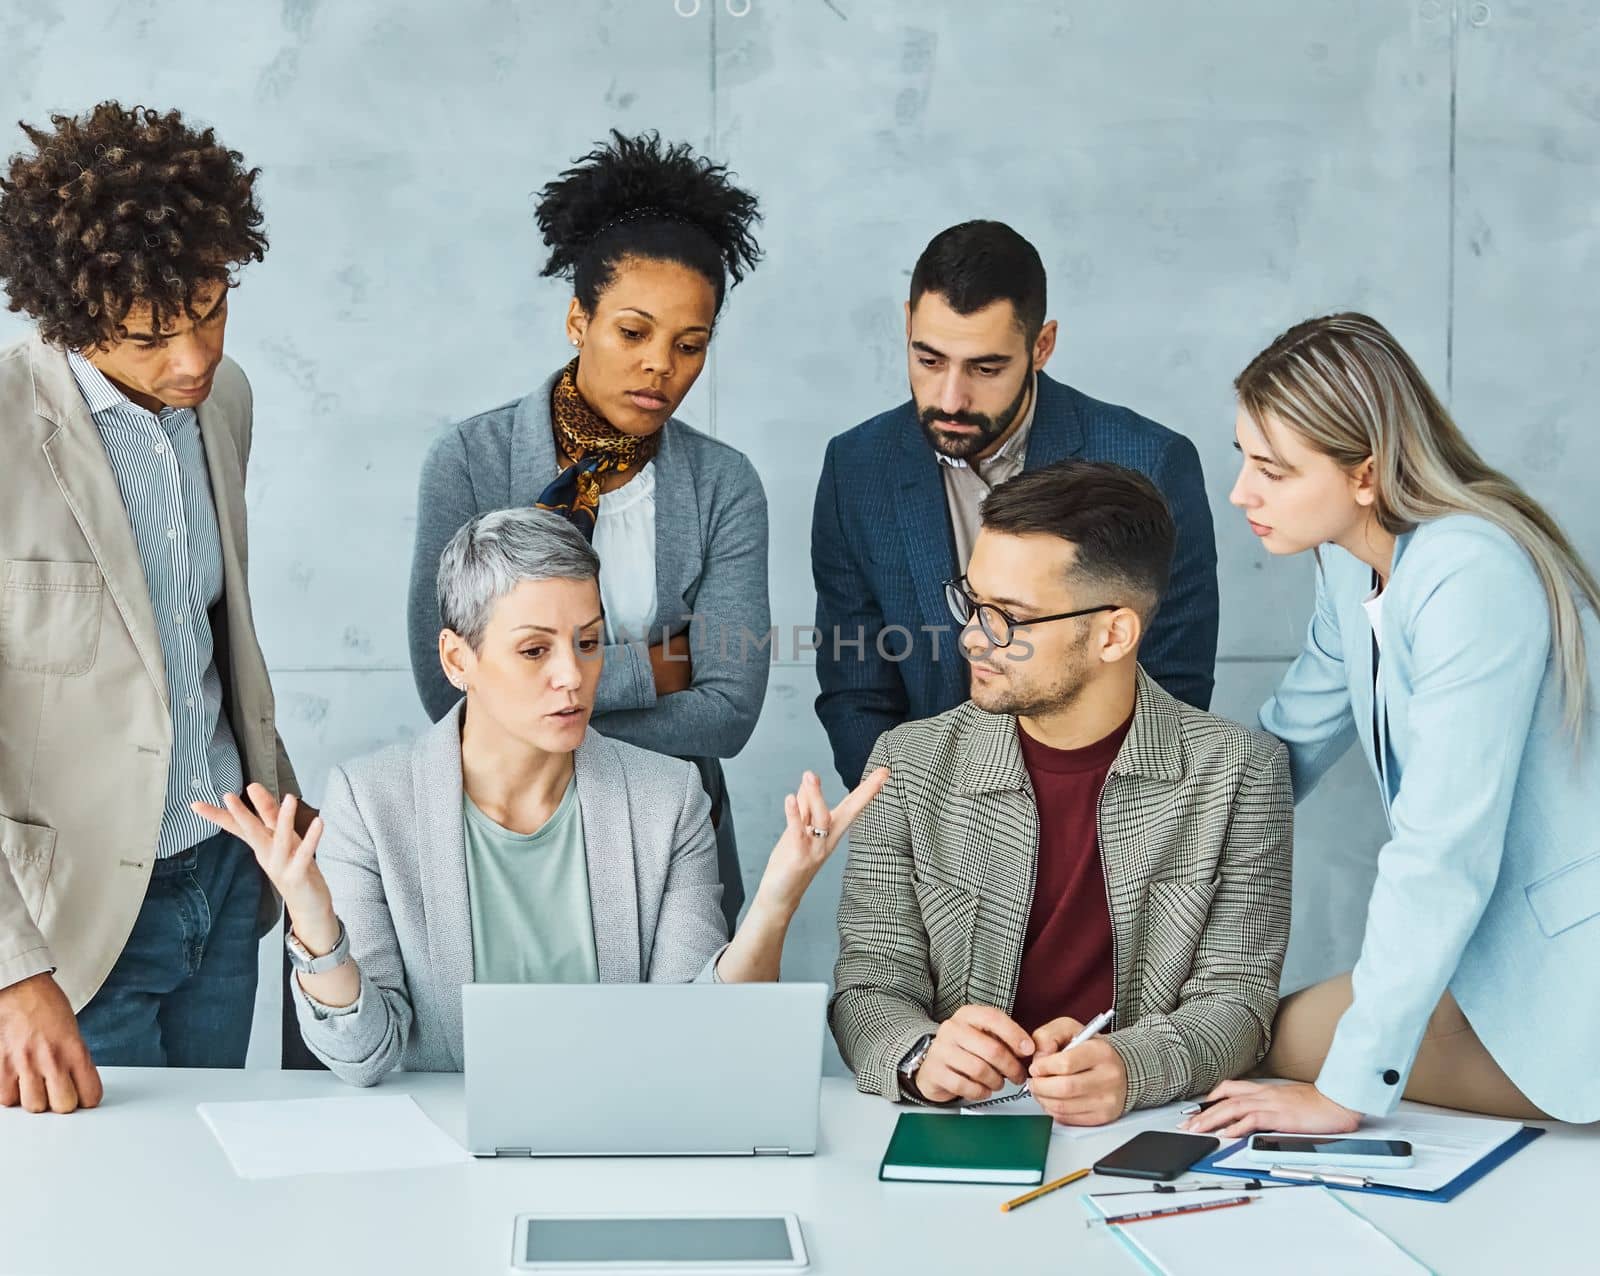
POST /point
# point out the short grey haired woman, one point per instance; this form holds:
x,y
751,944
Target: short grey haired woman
x,y
511,842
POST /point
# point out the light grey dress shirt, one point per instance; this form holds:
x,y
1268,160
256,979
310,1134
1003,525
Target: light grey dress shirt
x,y
966,484
160,465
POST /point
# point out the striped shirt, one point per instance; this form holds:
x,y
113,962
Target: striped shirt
x,y
160,466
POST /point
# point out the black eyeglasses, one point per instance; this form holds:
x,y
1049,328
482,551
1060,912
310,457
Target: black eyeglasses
x,y
998,625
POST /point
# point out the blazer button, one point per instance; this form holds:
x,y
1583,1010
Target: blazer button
x,y
1391,1077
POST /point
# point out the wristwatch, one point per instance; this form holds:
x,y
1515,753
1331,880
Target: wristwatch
x,y
913,1061
301,959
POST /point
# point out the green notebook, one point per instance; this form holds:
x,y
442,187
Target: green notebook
x,y
935,1147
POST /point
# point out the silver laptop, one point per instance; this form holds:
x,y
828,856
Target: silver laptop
x,y
643,1069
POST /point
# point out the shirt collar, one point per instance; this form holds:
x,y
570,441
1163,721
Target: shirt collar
x,y
97,390
102,396
1018,439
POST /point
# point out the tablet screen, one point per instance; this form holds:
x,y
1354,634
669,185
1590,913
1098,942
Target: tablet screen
x,y
658,1240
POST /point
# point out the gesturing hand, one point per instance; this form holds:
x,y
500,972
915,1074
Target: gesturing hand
x,y
288,860
811,832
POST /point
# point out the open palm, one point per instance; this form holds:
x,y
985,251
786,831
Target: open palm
x,y
288,859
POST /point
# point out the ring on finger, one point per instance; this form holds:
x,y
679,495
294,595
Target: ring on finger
x,y
815,831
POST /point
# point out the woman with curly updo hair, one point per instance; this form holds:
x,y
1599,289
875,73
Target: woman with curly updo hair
x,y
131,682
651,236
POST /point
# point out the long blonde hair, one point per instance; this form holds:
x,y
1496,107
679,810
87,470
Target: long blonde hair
x,y
1345,386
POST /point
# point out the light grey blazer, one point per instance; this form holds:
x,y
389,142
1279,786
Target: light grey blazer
x,y
711,568
394,853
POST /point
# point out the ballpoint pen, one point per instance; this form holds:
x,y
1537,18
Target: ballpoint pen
x,y
1091,1029
1321,1176
1181,1189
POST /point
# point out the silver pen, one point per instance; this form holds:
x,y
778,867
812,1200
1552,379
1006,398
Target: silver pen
x,y
1316,1176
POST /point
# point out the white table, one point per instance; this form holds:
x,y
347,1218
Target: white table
x,y
140,1186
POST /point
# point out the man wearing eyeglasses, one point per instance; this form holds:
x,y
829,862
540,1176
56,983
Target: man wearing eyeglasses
x,y
1071,839
897,503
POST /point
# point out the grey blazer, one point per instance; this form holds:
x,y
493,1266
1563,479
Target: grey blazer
x,y
1196,825
711,566
394,853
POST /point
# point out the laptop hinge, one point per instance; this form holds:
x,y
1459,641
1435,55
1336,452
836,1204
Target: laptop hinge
x,y
771,1151
513,1151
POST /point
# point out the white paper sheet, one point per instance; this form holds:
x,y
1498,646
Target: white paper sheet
x,y
1303,1230
1018,1102
273,1138
1443,1148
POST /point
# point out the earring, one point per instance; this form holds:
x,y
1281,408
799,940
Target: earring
x,y
575,343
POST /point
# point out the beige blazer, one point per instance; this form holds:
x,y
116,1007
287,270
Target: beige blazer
x,y
85,731
1196,825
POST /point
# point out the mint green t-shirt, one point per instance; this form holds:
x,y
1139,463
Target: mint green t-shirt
x,y
528,894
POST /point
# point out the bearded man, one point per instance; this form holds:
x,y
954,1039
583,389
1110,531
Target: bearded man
x,y
897,505
1072,840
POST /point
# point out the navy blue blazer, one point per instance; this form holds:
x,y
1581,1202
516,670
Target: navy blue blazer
x,y
882,548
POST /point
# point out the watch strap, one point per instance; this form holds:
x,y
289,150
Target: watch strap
x,y
301,959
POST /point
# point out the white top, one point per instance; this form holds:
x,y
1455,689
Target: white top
x,y
1373,603
625,539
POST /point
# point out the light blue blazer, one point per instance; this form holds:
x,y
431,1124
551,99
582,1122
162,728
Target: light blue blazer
x,y
1489,884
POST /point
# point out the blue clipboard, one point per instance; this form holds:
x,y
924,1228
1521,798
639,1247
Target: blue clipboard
x,y
1448,1192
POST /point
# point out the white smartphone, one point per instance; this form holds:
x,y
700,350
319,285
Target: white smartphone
x,y
658,1243
1328,1149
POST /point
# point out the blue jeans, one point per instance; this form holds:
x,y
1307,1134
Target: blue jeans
x,y
183,992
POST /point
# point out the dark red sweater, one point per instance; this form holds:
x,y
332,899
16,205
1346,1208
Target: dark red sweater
x,y
1067,962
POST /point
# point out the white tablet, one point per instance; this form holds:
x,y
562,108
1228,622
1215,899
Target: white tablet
x,y
658,1243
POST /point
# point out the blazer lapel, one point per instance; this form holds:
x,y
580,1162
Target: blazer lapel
x,y
442,867
924,516
992,776
1380,679
251,717
1151,753
679,553
608,847
227,492
1057,430
533,445
83,472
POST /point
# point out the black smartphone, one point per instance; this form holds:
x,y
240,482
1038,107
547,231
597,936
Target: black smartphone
x,y
1157,1154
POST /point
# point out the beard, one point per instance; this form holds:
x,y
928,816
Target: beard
x,y
1029,690
962,447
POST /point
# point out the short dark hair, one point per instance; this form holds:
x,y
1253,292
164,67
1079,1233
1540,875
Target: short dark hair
x,y
1115,518
978,263
642,197
121,207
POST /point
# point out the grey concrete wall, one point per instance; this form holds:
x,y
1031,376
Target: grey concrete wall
x,y
1197,177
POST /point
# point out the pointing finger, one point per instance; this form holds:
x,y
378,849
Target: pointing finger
x,y
844,815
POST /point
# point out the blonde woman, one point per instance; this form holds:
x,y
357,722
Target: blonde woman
x,y
1453,620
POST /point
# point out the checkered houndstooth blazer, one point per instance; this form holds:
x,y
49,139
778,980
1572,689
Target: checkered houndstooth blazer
x,y
1196,829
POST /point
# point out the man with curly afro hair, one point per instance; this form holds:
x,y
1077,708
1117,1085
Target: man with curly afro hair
x,y
131,682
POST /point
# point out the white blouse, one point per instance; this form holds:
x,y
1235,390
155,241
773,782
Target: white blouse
x,y
625,539
1372,603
